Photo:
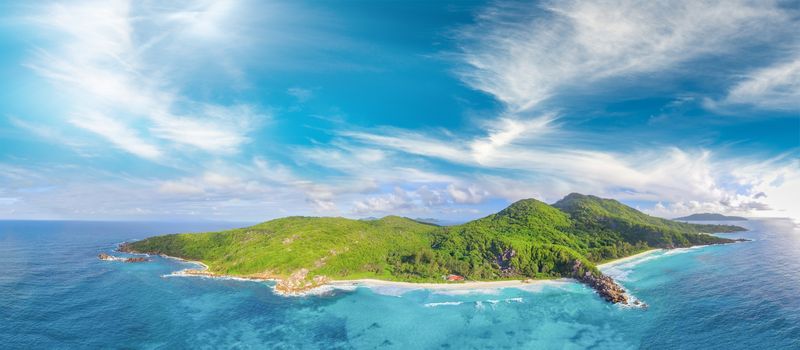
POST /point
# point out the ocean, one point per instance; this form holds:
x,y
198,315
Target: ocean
x,y
56,294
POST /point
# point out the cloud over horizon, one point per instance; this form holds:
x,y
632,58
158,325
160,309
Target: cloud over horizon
x,y
241,110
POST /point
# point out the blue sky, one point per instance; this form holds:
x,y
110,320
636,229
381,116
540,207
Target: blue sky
x,y
251,110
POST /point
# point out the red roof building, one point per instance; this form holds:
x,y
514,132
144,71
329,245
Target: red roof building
x,y
455,278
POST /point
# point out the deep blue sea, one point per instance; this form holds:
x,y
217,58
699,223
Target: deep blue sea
x,y
55,293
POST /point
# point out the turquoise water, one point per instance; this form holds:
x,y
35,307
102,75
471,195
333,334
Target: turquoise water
x,y
54,293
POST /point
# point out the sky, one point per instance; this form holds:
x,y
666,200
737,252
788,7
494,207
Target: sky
x,y
252,110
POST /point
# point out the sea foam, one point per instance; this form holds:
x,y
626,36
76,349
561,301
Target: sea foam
x,y
444,303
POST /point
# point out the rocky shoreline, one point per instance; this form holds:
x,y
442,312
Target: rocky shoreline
x,y
297,283
106,257
605,286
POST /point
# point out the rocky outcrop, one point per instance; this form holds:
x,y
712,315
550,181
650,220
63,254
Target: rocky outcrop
x,y
196,272
604,285
136,260
126,247
297,283
106,257
503,260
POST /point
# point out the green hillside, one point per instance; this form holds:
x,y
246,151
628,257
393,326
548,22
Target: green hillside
x,y
529,239
610,218
338,247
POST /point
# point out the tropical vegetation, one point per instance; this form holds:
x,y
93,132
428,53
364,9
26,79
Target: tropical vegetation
x,y
528,239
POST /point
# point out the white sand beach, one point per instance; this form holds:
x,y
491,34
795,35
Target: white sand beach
x,y
443,286
628,258
471,285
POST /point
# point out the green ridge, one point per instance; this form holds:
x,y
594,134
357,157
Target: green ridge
x,y
529,239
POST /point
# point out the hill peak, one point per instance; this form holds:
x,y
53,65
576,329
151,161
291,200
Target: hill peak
x,y
532,210
574,196
574,200
592,206
528,204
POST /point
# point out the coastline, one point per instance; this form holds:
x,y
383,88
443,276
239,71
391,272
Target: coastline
x,y
364,282
205,267
655,250
628,258
367,282
316,289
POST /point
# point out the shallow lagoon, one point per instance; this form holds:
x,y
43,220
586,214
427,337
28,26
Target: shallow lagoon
x,y
54,293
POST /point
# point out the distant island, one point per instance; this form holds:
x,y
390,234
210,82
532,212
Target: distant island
x,y
431,221
527,240
710,217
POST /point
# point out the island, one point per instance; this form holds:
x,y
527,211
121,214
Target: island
x,y
710,217
527,240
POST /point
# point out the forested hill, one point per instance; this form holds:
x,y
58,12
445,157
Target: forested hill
x,y
595,215
529,239
710,217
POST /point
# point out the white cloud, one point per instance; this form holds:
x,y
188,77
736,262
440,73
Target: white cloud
x,y
320,197
214,129
258,181
508,131
218,180
422,200
524,54
52,134
226,191
775,183
407,141
360,168
117,133
395,202
205,20
776,87
110,59
549,168
499,133
180,188
471,194
8,200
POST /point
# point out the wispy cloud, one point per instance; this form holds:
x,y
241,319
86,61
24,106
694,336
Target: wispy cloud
x,y
524,53
553,167
422,200
52,134
301,94
757,188
775,87
136,75
104,61
224,191
506,131
118,134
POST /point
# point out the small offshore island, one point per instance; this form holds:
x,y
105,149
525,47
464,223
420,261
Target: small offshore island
x,y
710,217
527,240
